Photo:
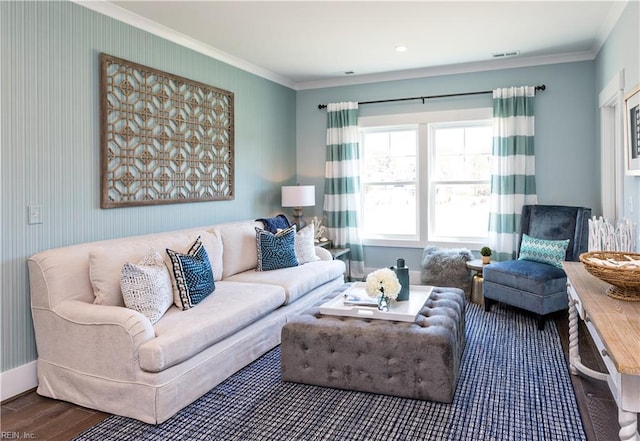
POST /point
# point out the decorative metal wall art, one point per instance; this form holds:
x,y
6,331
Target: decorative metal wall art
x,y
164,139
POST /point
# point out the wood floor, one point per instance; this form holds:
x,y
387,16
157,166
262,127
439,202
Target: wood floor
x,y
31,416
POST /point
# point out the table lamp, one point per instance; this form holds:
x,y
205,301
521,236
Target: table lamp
x,y
298,196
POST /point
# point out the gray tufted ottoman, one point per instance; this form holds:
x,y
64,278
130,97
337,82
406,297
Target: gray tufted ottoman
x,y
419,360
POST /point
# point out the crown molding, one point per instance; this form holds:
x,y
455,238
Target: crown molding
x,y
104,7
480,66
118,13
608,24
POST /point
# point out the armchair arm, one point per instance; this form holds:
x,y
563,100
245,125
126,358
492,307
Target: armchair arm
x,y
94,339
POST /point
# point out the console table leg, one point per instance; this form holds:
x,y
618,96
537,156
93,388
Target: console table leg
x,y
628,426
574,353
575,362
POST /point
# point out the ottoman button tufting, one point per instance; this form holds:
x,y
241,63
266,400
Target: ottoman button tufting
x,y
437,335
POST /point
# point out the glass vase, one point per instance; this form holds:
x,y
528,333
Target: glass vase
x,y
384,303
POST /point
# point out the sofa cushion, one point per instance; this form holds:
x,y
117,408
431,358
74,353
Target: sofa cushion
x,y
191,276
105,261
297,280
183,334
525,275
146,287
239,241
277,250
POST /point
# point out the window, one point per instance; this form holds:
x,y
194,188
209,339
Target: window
x,y
459,180
426,177
389,182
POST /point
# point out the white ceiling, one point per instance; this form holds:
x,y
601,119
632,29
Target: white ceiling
x,y
307,44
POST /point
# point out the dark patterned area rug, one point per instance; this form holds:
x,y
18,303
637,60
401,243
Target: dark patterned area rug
x,y
514,385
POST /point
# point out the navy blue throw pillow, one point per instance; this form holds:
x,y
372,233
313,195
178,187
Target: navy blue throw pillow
x,y
273,224
192,274
276,250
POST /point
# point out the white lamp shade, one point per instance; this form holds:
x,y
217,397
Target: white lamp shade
x,y
299,196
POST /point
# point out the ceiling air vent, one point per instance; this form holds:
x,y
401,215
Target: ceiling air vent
x,y
505,54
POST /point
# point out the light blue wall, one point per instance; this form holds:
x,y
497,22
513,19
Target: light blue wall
x,y
622,51
49,136
50,148
567,158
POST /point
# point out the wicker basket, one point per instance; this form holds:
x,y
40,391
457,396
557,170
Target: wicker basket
x,y
624,280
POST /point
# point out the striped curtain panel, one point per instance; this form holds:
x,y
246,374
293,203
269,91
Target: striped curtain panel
x,y
342,182
513,181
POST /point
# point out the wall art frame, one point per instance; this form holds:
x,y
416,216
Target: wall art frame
x,y
632,131
165,139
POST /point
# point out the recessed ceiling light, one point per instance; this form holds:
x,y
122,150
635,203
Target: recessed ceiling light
x,y
401,48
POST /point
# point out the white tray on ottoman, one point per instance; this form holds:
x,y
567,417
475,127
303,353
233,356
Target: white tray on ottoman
x,y
405,311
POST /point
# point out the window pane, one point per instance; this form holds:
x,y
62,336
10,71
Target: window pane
x,y
479,139
389,209
390,169
461,210
449,140
461,153
403,143
389,156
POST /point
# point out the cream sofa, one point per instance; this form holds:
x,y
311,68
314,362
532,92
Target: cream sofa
x,y
112,358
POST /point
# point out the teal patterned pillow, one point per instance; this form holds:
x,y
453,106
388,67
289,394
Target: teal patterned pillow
x,y
276,250
552,252
192,275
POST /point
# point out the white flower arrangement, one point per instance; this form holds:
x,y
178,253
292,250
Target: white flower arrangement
x,y
383,281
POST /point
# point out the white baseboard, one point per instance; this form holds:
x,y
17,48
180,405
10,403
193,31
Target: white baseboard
x,y
18,380
415,277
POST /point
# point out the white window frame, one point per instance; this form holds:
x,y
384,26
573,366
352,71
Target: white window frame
x,y
434,182
422,120
396,237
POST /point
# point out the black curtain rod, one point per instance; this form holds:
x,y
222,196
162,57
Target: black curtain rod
x,y
324,106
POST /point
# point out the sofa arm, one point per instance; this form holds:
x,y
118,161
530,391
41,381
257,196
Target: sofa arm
x,y
94,339
323,254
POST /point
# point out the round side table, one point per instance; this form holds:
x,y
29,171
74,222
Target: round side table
x,y
476,284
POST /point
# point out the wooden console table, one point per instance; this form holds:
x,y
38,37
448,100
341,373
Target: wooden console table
x,y
614,326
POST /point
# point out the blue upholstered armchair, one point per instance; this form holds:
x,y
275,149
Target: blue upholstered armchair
x,y
531,284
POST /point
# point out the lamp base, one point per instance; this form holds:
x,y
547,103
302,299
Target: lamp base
x,y
298,221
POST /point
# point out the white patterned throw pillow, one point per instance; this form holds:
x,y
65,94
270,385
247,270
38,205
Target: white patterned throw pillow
x,y
146,287
305,247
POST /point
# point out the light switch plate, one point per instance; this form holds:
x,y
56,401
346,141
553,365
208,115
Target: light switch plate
x,y
34,213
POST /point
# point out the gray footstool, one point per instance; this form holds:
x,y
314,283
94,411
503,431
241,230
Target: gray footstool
x,y
446,267
419,360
